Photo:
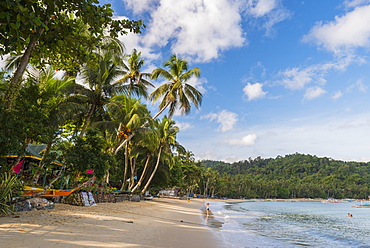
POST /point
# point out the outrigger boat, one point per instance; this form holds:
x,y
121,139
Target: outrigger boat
x,y
48,192
29,191
362,205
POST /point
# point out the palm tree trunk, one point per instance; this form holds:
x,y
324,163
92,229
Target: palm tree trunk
x,y
124,142
37,175
88,118
154,171
206,187
160,111
15,84
142,174
133,168
126,167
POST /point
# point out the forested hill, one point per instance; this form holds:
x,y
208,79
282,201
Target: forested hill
x,y
296,175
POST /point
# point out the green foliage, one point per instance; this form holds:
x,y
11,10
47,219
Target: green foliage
x,y
12,134
10,188
4,80
292,176
88,153
64,39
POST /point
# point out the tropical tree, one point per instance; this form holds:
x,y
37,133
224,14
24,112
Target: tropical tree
x,y
87,153
176,92
166,136
134,81
101,84
148,146
46,25
58,104
126,116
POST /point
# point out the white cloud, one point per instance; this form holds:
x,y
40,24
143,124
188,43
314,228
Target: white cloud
x,y
358,85
184,126
261,7
197,29
354,3
247,140
361,86
132,41
338,94
314,92
339,135
141,6
345,33
298,78
267,12
225,118
254,91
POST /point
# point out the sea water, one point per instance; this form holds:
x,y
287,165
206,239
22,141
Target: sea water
x,y
290,224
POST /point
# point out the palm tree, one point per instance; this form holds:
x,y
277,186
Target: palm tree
x,y
166,135
101,84
148,144
176,92
126,116
134,81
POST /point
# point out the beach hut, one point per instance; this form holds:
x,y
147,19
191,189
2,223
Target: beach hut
x,y
29,160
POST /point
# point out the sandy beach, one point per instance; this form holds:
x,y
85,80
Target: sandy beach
x,y
161,222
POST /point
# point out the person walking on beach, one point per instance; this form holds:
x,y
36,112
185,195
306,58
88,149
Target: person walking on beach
x,y
207,209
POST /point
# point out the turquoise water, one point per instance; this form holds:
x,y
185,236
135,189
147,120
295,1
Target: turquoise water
x,y
291,224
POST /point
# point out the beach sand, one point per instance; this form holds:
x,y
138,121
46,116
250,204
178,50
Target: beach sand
x,y
161,222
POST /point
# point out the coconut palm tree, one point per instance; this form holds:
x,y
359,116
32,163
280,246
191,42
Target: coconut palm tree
x,y
134,81
101,83
176,92
127,115
166,134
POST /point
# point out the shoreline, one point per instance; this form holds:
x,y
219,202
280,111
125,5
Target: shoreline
x,y
161,222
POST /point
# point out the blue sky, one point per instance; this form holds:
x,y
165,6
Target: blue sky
x,y
278,76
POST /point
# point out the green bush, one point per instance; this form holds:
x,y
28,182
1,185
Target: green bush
x,y
10,187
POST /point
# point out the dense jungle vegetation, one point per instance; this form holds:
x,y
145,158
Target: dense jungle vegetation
x,y
291,176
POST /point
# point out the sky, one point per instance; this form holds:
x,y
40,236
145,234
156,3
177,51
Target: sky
x,y
278,77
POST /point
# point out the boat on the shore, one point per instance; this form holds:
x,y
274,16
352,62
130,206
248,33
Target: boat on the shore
x,y
362,205
332,201
29,191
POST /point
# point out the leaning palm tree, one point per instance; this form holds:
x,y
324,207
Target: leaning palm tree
x,y
135,82
127,115
175,93
166,135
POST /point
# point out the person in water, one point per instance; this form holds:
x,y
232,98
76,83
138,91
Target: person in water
x,y
207,208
